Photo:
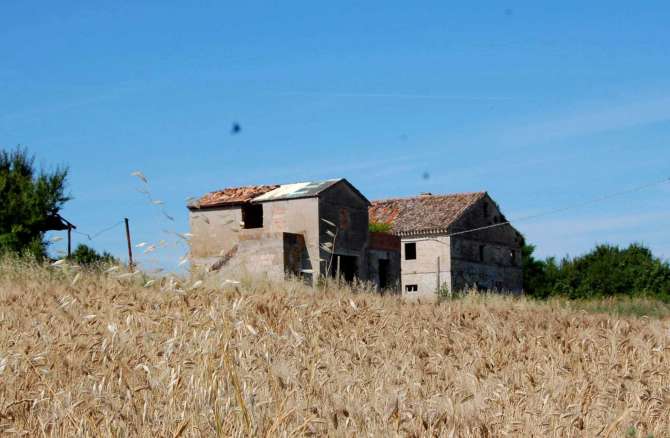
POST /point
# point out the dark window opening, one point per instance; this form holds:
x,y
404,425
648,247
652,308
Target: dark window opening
x,y
383,273
481,253
252,216
410,251
411,287
344,266
512,256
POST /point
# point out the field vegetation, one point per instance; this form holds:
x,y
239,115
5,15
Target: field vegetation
x,y
92,353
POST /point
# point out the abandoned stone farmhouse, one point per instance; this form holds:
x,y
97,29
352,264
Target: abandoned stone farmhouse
x,y
322,228
438,254
304,229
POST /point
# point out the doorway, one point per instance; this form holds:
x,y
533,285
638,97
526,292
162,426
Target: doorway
x,y
296,257
383,273
346,266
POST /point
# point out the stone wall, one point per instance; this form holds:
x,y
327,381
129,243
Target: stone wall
x,y
486,259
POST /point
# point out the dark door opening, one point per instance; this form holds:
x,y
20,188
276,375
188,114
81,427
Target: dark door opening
x,y
296,257
346,265
383,273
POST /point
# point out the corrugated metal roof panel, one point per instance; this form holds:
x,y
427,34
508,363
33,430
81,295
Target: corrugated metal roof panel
x,y
297,190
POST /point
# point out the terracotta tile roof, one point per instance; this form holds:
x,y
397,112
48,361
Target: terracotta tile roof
x,y
264,193
232,196
425,213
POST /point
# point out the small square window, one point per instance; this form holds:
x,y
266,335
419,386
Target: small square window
x,y
252,216
481,253
410,251
411,287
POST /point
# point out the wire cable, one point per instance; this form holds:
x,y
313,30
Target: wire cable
x,y
565,208
104,230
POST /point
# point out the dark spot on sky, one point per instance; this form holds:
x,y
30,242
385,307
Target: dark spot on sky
x,y
236,128
425,175
509,12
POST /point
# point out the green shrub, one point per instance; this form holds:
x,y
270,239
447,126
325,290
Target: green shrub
x,y
84,255
379,227
605,271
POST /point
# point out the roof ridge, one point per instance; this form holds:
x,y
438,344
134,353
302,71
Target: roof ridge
x,y
242,187
447,195
273,184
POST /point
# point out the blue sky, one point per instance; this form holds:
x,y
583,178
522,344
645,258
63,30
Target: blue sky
x,y
542,106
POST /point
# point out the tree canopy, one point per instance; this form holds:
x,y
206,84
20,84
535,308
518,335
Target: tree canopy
x,y
86,256
30,199
607,270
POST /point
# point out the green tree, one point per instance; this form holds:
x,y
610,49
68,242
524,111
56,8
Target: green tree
x,y
86,256
534,277
29,201
607,270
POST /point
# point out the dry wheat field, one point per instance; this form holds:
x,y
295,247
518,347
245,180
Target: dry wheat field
x,y
84,354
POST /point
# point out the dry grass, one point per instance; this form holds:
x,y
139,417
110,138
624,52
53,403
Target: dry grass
x,y
107,357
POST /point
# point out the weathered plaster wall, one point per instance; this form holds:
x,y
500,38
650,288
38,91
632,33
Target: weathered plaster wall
x,y
298,216
422,271
258,254
218,237
220,241
214,231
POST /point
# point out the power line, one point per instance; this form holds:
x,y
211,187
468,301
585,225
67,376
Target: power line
x,y
104,230
565,208
396,96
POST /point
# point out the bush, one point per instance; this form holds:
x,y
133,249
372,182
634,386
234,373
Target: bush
x,y
605,271
84,255
379,227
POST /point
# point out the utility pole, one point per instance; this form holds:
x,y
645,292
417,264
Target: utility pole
x,y
438,275
130,247
69,240
337,272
